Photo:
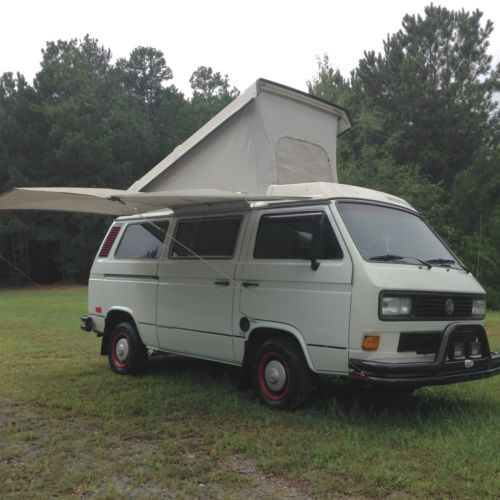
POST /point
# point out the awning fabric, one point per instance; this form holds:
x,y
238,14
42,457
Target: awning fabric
x,y
119,202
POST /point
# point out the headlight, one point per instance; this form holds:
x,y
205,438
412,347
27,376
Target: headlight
x,y
396,306
478,307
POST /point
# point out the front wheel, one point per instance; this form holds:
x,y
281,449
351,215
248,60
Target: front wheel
x,y
281,377
126,352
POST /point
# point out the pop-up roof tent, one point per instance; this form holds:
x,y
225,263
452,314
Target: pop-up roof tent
x,y
270,135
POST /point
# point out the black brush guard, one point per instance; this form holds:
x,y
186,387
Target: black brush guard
x,y
441,371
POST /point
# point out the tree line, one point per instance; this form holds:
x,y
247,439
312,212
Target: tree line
x,y
425,127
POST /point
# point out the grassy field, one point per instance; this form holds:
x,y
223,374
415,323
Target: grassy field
x,y
70,427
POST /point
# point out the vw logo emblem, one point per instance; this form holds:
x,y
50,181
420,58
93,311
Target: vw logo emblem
x,y
449,306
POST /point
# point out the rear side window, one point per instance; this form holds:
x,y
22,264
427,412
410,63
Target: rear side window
x,y
277,232
142,241
213,238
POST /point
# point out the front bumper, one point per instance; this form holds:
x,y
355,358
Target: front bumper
x,y
441,371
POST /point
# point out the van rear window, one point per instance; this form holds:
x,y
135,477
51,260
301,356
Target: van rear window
x,y
277,232
142,241
211,238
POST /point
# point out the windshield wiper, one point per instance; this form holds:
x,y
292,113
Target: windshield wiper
x,y
440,262
390,258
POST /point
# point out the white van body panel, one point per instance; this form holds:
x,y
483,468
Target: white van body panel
x,y
195,299
195,313
239,341
127,285
371,278
315,303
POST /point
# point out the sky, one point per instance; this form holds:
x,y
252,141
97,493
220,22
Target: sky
x,y
278,40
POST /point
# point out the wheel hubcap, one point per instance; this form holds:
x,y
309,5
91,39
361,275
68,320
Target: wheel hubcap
x,y
275,375
122,350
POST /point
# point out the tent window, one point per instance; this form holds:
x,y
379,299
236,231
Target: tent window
x,y
142,241
301,161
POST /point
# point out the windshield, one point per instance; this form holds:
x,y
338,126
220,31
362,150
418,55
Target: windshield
x,y
384,234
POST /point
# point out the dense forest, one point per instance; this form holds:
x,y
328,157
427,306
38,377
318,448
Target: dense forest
x,y
425,127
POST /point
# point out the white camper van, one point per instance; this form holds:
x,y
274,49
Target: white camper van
x,y
241,247
351,282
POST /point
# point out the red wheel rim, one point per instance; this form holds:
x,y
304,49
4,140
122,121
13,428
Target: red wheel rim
x,y
118,356
268,392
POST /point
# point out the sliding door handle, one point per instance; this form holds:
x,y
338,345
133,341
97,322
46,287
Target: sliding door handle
x,y
221,282
247,284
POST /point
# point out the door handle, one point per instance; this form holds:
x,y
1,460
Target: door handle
x,y
247,284
221,282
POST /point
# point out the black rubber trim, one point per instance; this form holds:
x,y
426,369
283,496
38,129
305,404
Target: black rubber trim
x,y
136,276
328,346
87,324
427,381
199,331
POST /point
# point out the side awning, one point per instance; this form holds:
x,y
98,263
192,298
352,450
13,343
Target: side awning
x,y
119,202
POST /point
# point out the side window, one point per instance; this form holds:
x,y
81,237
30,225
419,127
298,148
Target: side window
x,y
277,233
213,238
142,241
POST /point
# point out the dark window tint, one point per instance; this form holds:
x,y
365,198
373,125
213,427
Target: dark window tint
x,y
142,241
206,238
277,234
381,232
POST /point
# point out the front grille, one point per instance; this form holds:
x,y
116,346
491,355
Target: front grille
x,y
419,342
434,306
429,342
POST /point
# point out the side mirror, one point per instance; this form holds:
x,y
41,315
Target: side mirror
x,y
303,248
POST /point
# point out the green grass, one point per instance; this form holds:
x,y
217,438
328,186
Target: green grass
x,y
69,426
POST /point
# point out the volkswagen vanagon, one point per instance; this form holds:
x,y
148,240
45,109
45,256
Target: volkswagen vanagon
x,y
349,282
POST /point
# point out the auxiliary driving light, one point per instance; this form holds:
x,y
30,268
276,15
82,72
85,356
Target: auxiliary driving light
x,y
457,350
475,349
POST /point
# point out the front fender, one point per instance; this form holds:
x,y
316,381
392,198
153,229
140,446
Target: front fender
x,y
285,328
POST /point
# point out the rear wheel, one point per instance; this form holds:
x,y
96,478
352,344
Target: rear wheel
x,y
126,352
281,377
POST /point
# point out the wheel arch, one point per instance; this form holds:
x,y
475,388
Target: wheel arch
x,y
114,317
264,331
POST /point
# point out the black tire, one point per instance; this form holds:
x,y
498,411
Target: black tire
x,y
126,352
280,375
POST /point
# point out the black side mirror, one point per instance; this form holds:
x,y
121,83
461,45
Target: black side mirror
x,y
304,248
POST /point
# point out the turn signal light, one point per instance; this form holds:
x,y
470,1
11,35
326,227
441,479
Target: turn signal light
x,y
370,342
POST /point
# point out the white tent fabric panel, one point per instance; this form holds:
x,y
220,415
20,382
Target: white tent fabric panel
x,y
236,150
212,164
280,117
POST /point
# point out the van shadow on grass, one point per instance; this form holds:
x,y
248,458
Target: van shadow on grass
x,y
330,395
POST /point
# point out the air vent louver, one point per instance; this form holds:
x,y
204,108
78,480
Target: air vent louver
x,y
108,242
